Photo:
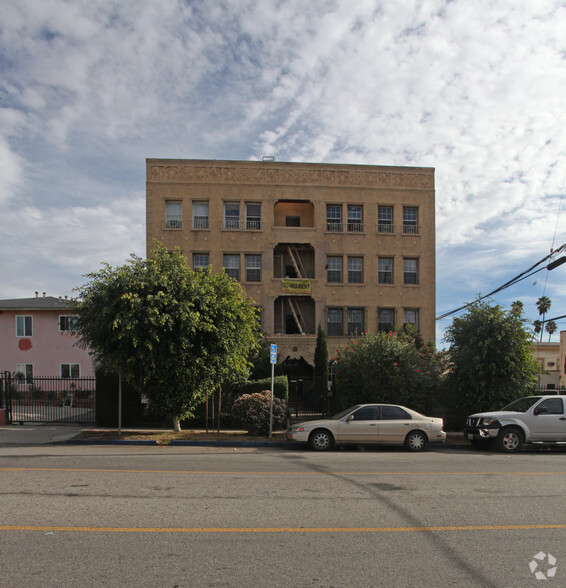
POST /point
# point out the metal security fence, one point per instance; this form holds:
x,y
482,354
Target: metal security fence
x,y
48,399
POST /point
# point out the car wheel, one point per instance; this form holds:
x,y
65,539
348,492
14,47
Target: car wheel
x,y
510,440
415,441
321,440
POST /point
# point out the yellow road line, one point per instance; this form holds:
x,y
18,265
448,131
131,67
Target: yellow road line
x,y
265,473
278,529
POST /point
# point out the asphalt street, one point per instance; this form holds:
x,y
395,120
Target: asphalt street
x,y
187,516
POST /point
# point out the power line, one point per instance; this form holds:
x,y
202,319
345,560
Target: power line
x,y
522,276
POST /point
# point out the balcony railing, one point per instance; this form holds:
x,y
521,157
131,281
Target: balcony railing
x,y
411,230
232,224
172,224
385,229
201,224
351,227
253,225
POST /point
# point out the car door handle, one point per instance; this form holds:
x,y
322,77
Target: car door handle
x,y
562,419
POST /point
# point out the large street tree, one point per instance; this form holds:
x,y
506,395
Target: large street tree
x,y
175,333
491,358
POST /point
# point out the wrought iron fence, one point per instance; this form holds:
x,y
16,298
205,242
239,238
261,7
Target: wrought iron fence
x,y
49,399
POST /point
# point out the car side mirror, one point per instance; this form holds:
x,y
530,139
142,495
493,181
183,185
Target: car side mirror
x,y
540,410
350,418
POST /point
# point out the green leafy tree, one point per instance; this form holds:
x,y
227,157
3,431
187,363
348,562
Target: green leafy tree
x,y
491,359
543,304
321,363
174,332
390,368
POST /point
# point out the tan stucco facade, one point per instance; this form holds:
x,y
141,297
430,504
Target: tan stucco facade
x,y
350,247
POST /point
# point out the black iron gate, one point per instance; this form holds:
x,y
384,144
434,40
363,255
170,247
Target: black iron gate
x,y
47,399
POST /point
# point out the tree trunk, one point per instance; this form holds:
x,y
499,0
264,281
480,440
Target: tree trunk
x,y
176,425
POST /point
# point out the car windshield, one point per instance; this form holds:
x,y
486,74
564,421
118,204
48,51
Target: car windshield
x,y
343,413
521,404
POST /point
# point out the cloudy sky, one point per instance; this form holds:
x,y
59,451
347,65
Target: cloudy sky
x,y
474,88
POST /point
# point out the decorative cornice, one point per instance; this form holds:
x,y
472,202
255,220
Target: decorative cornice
x,y
291,175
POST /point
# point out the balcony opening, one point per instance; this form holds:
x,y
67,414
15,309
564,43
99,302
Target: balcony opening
x,y
294,213
294,315
293,261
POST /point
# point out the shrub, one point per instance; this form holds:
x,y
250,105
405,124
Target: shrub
x,y
252,412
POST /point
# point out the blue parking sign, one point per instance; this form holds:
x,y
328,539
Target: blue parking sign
x,y
273,353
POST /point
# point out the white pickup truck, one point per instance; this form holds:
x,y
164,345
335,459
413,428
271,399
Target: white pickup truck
x,y
533,419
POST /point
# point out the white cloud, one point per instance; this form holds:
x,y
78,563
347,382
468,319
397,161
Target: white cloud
x,y
473,88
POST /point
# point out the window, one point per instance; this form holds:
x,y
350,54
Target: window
x,y
232,216
200,261
334,270
253,268
333,218
355,270
173,214
292,221
24,326
384,219
67,322
411,317
201,220
410,220
385,270
411,271
232,266
355,321
70,370
334,322
386,319
366,413
24,371
355,219
394,413
550,406
253,216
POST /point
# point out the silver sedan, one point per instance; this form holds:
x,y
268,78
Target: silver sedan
x,y
388,424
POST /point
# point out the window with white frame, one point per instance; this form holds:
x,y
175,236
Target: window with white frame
x,y
355,219
70,370
410,271
253,268
385,219
173,214
232,216
355,321
385,270
410,220
200,261
253,216
355,270
24,326
411,317
232,265
201,218
334,218
334,270
386,319
334,318
24,371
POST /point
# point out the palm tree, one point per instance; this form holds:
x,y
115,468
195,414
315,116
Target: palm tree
x,y
537,327
550,328
543,305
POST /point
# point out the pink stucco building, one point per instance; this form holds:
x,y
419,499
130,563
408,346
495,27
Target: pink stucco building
x,y
36,339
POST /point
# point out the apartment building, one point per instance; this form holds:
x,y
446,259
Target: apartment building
x,y
349,247
37,339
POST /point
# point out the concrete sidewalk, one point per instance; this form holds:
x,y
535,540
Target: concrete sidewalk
x,y
38,434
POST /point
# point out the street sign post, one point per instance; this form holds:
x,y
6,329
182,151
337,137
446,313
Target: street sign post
x,y
273,361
